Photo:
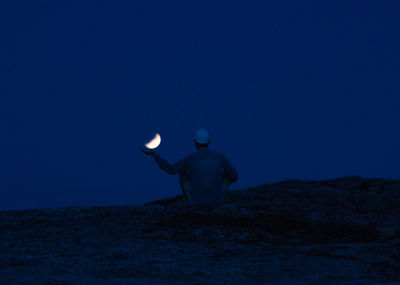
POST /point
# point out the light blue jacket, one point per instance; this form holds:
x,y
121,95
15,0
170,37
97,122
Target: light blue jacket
x,y
205,168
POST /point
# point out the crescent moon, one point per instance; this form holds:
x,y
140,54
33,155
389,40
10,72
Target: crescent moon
x,y
155,142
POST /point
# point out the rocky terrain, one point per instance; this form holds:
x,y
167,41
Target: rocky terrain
x,y
342,231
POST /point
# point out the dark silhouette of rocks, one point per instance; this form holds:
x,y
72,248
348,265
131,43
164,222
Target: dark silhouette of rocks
x,y
341,231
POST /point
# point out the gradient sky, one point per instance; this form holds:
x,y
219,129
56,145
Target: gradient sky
x,y
287,89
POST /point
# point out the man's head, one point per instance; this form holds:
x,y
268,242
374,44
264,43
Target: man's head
x,y
202,139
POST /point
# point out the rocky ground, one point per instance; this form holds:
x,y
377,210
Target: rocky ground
x,y
342,231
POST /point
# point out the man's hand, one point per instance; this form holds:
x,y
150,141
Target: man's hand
x,y
148,151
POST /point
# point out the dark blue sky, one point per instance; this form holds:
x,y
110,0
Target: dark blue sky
x,y
287,90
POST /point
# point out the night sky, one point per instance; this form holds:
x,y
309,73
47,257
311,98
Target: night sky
x,y
287,90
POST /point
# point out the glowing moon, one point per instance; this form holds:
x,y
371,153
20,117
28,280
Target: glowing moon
x,y
155,142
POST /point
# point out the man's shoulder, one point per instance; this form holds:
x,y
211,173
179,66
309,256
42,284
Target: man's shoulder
x,y
218,152
209,152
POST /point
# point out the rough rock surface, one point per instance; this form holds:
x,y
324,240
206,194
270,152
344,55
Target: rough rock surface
x,y
342,231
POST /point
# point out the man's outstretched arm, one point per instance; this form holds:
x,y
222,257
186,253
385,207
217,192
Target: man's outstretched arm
x,y
163,164
167,167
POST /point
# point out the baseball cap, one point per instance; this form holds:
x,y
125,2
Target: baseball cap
x,y
202,136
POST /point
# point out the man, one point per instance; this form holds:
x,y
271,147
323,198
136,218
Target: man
x,y
204,175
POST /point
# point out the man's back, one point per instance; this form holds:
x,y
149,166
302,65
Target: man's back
x,y
204,169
